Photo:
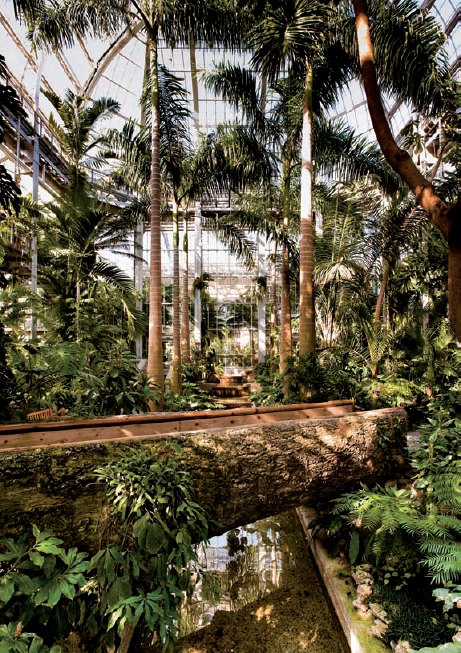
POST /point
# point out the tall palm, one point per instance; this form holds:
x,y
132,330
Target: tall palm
x,y
186,174
177,22
296,35
281,131
174,151
336,150
401,32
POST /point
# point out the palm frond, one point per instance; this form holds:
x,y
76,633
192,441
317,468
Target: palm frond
x,y
287,35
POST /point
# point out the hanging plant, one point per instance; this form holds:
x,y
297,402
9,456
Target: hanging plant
x,y
202,282
261,286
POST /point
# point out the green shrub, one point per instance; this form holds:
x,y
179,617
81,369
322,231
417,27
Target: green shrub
x,y
413,616
132,588
192,398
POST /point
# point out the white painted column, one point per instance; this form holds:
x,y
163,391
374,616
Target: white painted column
x,y
198,205
138,268
35,181
198,273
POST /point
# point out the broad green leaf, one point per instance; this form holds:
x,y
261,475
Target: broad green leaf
x,y
6,589
4,557
36,645
67,589
354,547
48,547
109,565
140,530
95,559
114,617
36,558
49,565
78,568
42,595
54,593
76,579
24,583
154,539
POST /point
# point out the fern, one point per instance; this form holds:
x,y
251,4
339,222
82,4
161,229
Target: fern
x,y
445,563
401,525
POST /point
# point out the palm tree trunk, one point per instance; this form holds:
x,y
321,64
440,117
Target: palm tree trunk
x,y
155,348
185,316
445,218
273,324
176,366
285,318
382,290
306,244
333,310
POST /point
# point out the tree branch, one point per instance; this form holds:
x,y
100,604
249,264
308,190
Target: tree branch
x,y
446,219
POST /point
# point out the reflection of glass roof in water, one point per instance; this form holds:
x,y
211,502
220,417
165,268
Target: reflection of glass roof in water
x,y
101,69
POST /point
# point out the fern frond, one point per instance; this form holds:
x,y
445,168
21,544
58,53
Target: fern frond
x,y
445,564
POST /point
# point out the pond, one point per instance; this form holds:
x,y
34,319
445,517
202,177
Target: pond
x,y
271,598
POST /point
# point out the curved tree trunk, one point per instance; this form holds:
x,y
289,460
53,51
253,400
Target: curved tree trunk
x,y
155,347
306,243
176,384
446,219
185,316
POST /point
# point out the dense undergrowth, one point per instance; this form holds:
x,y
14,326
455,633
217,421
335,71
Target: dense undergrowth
x,y
54,599
408,532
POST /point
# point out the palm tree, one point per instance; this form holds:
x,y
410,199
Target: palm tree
x,y
72,232
80,226
400,29
239,87
336,149
187,175
176,22
296,35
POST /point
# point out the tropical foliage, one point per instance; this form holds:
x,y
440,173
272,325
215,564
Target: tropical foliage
x,y
360,276
52,597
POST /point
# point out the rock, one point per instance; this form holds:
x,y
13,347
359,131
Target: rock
x,y
379,612
379,628
363,592
362,575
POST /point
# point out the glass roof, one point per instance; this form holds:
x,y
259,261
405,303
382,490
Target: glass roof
x,y
101,69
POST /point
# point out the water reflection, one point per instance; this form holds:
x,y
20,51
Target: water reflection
x,y
244,564
269,595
